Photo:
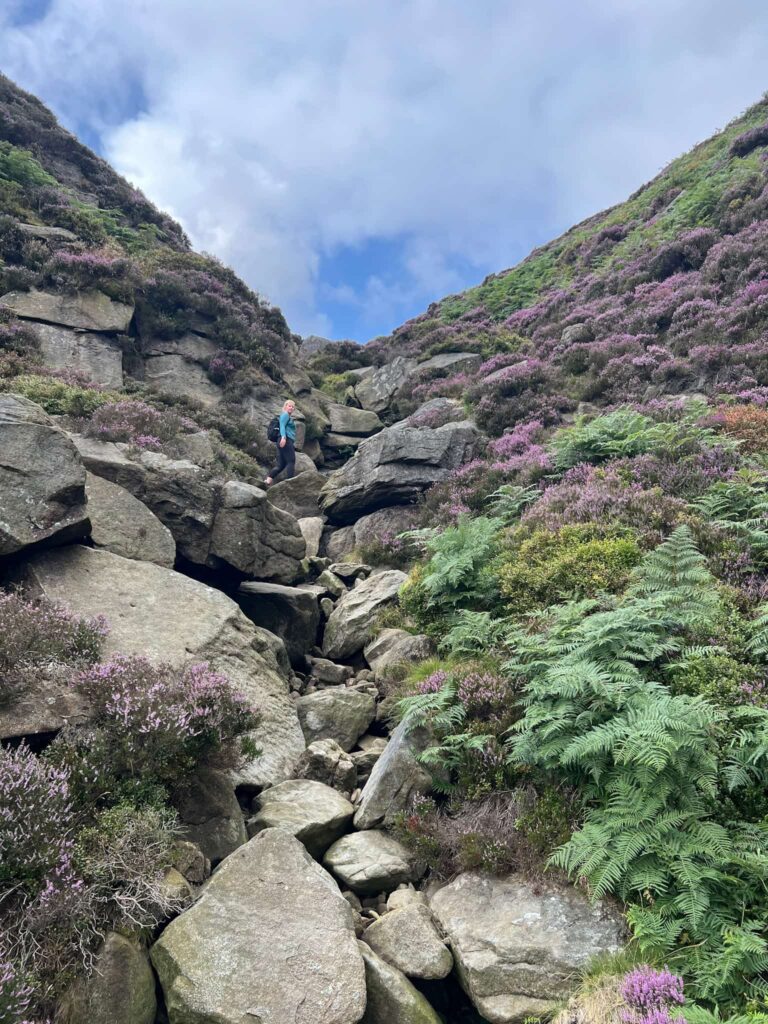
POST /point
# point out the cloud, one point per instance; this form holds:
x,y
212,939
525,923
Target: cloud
x,y
287,137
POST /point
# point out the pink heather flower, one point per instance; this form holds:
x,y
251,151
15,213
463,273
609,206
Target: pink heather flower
x,y
648,989
433,683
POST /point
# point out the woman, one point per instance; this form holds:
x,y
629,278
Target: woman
x,y
286,450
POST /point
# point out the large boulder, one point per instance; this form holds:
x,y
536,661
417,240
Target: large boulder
x,y
345,419
167,617
312,531
110,461
395,466
98,356
271,939
392,999
88,310
397,777
386,523
408,939
338,714
119,990
371,862
299,495
519,945
124,525
289,612
352,621
453,362
42,480
325,761
376,391
393,648
316,814
210,814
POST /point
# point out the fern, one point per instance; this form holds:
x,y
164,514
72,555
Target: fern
x,y
509,500
740,507
473,633
452,575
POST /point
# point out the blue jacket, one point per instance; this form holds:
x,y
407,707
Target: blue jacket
x,y
287,426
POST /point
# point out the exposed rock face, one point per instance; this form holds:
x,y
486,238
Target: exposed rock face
x,y
92,310
109,460
175,375
409,940
453,361
376,391
316,814
371,862
98,356
347,420
396,777
392,999
394,647
120,990
350,625
271,939
392,521
299,495
519,947
211,815
337,714
325,761
42,480
288,612
395,466
43,704
167,617
124,525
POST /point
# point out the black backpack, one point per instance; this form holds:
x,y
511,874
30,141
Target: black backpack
x,y
273,430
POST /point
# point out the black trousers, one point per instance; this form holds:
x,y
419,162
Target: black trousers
x,y
286,460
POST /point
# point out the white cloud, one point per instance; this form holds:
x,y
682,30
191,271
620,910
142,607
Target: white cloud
x,y
280,133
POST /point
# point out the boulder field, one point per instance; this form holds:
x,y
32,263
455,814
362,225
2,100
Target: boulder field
x,y
315,912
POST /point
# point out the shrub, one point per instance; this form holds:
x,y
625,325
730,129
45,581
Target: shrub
x,y
58,397
542,568
159,722
720,679
115,275
137,423
746,423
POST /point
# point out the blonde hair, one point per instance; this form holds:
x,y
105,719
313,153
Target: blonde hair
x,y
287,402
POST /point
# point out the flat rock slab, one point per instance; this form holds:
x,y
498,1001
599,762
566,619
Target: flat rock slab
x,y
519,945
453,361
315,814
345,419
377,390
371,862
180,377
42,480
408,939
167,617
397,777
98,356
299,495
351,623
392,999
338,714
125,526
271,939
90,310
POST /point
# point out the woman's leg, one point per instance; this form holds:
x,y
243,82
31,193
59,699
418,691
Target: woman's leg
x,y
289,457
279,466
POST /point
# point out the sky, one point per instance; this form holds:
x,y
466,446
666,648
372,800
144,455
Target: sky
x,y
355,160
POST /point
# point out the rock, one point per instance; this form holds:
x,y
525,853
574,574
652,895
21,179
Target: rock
x,y
352,620
123,525
168,617
120,990
304,464
453,361
376,391
43,704
91,310
330,581
271,939
312,531
98,356
519,946
47,232
576,333
387,521
350,570
190,861
315,813
409,940
110,461
190,346
326,607
211,815
392,999
436,411
175,887
371,749
252,535
196,447
174,375
337,441
395,466
325,761
396,778
338,714
289,612
406,897
394,647
299,495
371,862
329,672
347,420
42,480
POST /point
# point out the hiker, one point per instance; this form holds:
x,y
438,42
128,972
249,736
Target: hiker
x,y
282,430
